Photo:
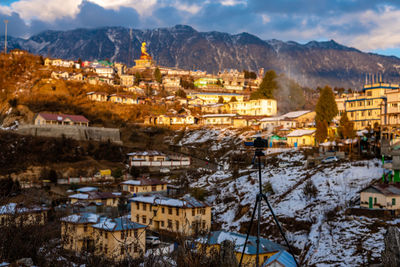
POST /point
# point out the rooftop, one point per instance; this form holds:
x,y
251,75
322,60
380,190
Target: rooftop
x,y
62,117
185,202
13,208
117,224
144,181
296,114
301,132
146,153
283,258
387,189
81,218
94,195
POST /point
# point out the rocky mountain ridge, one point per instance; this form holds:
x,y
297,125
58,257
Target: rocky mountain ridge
x,y
311,64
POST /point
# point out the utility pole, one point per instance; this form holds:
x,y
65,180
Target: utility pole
x,y
5,42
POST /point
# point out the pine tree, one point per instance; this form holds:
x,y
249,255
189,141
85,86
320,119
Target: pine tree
x,y
322,131
220,100
326,108
346,127
157,75
233,99
267,87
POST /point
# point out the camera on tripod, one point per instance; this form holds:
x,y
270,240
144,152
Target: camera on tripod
x,y
258,142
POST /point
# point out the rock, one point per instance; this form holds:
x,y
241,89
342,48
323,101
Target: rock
x,y
391,254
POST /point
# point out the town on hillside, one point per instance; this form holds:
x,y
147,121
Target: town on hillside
x,y
105,164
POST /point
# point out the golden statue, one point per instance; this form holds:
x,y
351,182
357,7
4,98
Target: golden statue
x,y
144,55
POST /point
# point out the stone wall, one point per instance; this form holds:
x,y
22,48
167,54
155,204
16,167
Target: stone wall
x,y
75,132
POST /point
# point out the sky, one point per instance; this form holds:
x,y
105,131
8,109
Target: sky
x,y
368,25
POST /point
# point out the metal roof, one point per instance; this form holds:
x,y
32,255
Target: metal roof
x,y
284,258
117,224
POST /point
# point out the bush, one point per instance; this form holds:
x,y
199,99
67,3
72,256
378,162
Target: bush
x,y
267,188
117,173
199,193
310,190
13,102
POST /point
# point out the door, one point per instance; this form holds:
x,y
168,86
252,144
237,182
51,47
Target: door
x,y
370,203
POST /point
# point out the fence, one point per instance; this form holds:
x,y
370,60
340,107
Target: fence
x,y
79,180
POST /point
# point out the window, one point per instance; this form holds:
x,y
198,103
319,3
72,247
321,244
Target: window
x,y
153,188
122,250
135,248
177,211
137,206
162,223
170,224
204,224
393,201
177,225
150,221
375,200
144,219
154,213
162,210
137,218
170,211
105,249
122,235
105,234
144,206
135,233
193,212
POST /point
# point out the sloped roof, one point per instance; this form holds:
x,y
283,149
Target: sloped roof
x,y
185,202
144,181
386,189
266,246
300,132
62,117
94,195
14,208
117,224
283,257
146,153
81,218
296,114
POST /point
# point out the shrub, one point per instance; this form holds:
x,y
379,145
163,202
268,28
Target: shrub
x,y
13,102
310,190
267,188
199,193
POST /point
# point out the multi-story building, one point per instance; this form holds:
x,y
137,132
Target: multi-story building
x,y
127,80
213,98
157,159
19,215
218,119
144,185
116,239
60,119
123,99
259,107
105,198
368,107
391,118
186,216
98,96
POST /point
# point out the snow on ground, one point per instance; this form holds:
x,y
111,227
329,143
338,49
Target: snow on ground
x,y
331,243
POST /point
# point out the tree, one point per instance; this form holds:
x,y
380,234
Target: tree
x,y
322,131
346,127
267,87
138,78
80,62
157,75
326,108
250,75
220,100
180,93
233,99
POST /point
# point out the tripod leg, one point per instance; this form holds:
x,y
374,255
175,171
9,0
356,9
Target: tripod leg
x,y
248,232
280,229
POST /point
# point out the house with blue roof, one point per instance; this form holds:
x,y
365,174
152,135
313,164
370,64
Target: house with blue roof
x,y
267,247
280,259
113,238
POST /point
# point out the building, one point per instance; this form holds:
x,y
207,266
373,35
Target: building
x,y
173,120
76,76
215,108
60,75
301,137
156,159
303,118
218,119
171,82
107,72
98,96
277,122
213,98
60,119
116,239
144,185
119,238
391,118
259,107
280,259
59,63
123,99
206,82
369,107
186,216
381,196
127,80
104,198
267,247
19,215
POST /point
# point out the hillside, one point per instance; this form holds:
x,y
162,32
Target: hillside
x,y
312,64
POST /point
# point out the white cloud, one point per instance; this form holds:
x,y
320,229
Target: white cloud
x,y
5,10
192,9
143,7
46,10
265,19
233,2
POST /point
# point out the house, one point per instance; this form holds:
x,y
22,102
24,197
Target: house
x,y
277,122
16,214
59,63
98,96
267,247
60,75
301,137
213,98
247,121
171,82
258,107
127,80
119,238
218,119
174,120
116,239
105,198
144,185
123,99
215,108
156,159
303,118
105,71
76,76
60,119
280,259
381,196
186,216
18,52
77,233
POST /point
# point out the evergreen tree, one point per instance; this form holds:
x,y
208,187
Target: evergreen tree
x,y
138,78
326,108
157,75
267,87
346,127
180,93
220,100
233,99
322,131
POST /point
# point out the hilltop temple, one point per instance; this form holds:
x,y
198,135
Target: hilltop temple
x,y
145,60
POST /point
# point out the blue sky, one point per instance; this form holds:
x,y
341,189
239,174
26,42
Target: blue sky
x,y
369,25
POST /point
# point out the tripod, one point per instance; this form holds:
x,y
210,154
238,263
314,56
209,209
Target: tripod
x,y
257,206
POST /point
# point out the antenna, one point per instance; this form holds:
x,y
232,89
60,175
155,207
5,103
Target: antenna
x,y
5,41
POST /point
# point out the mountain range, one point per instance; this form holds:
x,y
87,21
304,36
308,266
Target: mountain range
x,y
311,64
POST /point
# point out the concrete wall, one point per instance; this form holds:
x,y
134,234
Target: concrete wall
x,y
74,132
